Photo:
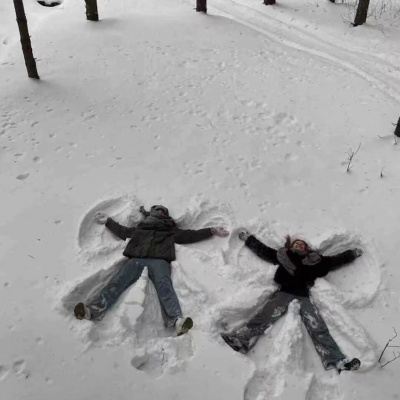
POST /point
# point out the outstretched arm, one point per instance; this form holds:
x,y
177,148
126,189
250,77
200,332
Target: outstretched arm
x,y
338,260
185,236
121,231
263,251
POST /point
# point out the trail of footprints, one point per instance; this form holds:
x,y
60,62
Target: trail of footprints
x,y
18,368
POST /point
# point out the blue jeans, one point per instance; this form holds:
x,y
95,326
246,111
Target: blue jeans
x,y
326,347
160,275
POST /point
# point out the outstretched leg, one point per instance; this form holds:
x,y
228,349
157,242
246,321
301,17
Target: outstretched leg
x,y
246,337
326,347
160,274
108,296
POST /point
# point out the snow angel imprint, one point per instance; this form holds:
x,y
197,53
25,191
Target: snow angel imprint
x,y
298,268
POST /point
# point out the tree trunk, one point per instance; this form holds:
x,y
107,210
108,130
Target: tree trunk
x,y
25,39
397,130
201,5
91,10
362,12
269,2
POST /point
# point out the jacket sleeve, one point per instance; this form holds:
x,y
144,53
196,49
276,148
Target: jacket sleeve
x,y
263,251
122,232
184,236
335,262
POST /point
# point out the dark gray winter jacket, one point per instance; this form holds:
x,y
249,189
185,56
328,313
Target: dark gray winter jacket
x,y
148,243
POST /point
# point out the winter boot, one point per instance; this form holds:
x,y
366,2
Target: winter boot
x,y
348,365
237,343
182,325
82,312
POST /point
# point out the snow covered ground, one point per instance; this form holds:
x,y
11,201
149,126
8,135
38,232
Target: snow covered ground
x,y
240,118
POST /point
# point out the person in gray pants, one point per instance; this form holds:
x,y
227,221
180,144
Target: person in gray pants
x,y
151,244
298,268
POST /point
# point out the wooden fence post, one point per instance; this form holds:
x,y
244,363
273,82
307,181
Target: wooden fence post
x,y
25,39
201,6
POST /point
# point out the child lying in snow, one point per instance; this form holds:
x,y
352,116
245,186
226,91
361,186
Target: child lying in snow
x,y
296,274
151,245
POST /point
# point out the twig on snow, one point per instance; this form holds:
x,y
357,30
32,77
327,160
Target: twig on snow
x,y
350,154
388,345
395,357
163,356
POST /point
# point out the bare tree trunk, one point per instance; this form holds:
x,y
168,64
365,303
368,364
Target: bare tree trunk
x,y
25,39
397,130
269,2
362,12
201,5
91,10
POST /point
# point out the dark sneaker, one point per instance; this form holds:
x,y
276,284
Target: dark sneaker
x,y
348,365
82,312
236,343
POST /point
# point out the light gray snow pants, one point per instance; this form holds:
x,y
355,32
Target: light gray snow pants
x,y
160,275
326,347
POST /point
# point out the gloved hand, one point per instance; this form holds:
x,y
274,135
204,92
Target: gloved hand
x,y
143,211
218,231
244,235
357,252
101,218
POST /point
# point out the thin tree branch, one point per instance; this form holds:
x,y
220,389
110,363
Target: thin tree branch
x,y
350,154
387,344
395,358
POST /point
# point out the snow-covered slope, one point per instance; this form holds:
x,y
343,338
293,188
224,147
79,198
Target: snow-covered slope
x,y
239,118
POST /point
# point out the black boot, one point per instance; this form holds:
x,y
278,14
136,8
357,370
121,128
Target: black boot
x,y
237,343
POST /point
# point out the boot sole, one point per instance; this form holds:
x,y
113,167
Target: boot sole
x,y
354,365
79,311
188,324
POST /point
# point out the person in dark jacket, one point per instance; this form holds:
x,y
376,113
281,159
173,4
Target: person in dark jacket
x,y
152,245
298,268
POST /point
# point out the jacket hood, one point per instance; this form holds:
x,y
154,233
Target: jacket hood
x,y
156,209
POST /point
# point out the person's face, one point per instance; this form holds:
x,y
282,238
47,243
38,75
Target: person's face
x,y
299,245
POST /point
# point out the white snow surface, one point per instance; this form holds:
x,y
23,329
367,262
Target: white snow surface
x,y
239,118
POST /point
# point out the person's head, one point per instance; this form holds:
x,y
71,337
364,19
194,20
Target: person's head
x,y
159,211
297,245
